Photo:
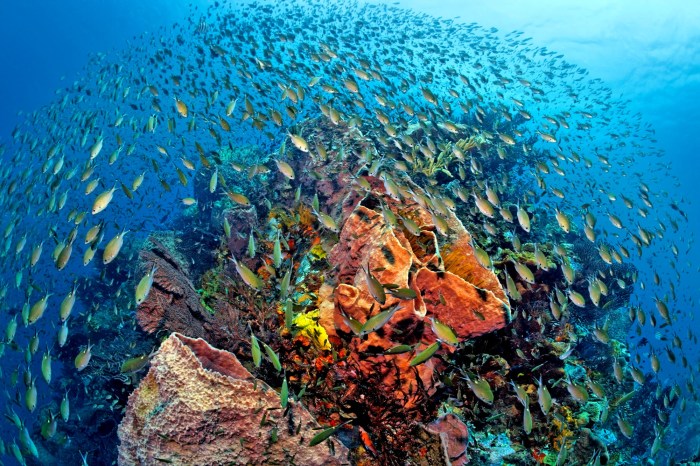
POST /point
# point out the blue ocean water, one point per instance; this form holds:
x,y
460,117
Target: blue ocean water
x,y
647,55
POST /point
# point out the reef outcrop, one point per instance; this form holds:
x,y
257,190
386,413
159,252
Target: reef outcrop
x,y
454,437
173,303
199,405
345,242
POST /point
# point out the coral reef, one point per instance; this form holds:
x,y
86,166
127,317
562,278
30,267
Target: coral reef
x,y
396,257
352,244
199,405
243,219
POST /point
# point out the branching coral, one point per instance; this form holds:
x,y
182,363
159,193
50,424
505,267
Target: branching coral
x,y
430,164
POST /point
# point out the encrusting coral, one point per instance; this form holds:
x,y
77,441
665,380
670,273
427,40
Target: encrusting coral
x,y
394,256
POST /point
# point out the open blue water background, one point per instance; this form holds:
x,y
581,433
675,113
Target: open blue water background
x,y
647,51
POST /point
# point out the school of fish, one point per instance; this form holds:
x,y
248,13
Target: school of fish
x,y
516,138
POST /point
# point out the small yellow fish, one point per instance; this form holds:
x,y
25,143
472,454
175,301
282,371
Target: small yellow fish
x,y
188,164
92,233
617,371
91,186
375,288
30,397
248,276
65,408
576,298
285,169
524,272
36,254
443,332
46,367
276,250
484,206
213,180
103,200
83,358
62,335
563,220
181,107
327,221
230,107
625,427
637,375
527,420
135,364
541,259
274,359
615,220
67,304
299,142
137,181
424,355
88,255
597,389
37,310
543,397
376,322
64,256
144,286
96,148
506,139
590,233
255,349
512,288
577,392
568,272
227,228
238,198
113,247
481,389
523,219
547,137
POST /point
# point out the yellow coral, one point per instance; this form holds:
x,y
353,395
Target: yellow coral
x,y
470,143
564,431
282,216
306,217
307,325
317,252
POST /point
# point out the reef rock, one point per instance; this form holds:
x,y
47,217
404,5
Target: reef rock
x,y
173,303
470,311
454,437
588,445
199,405
243,219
